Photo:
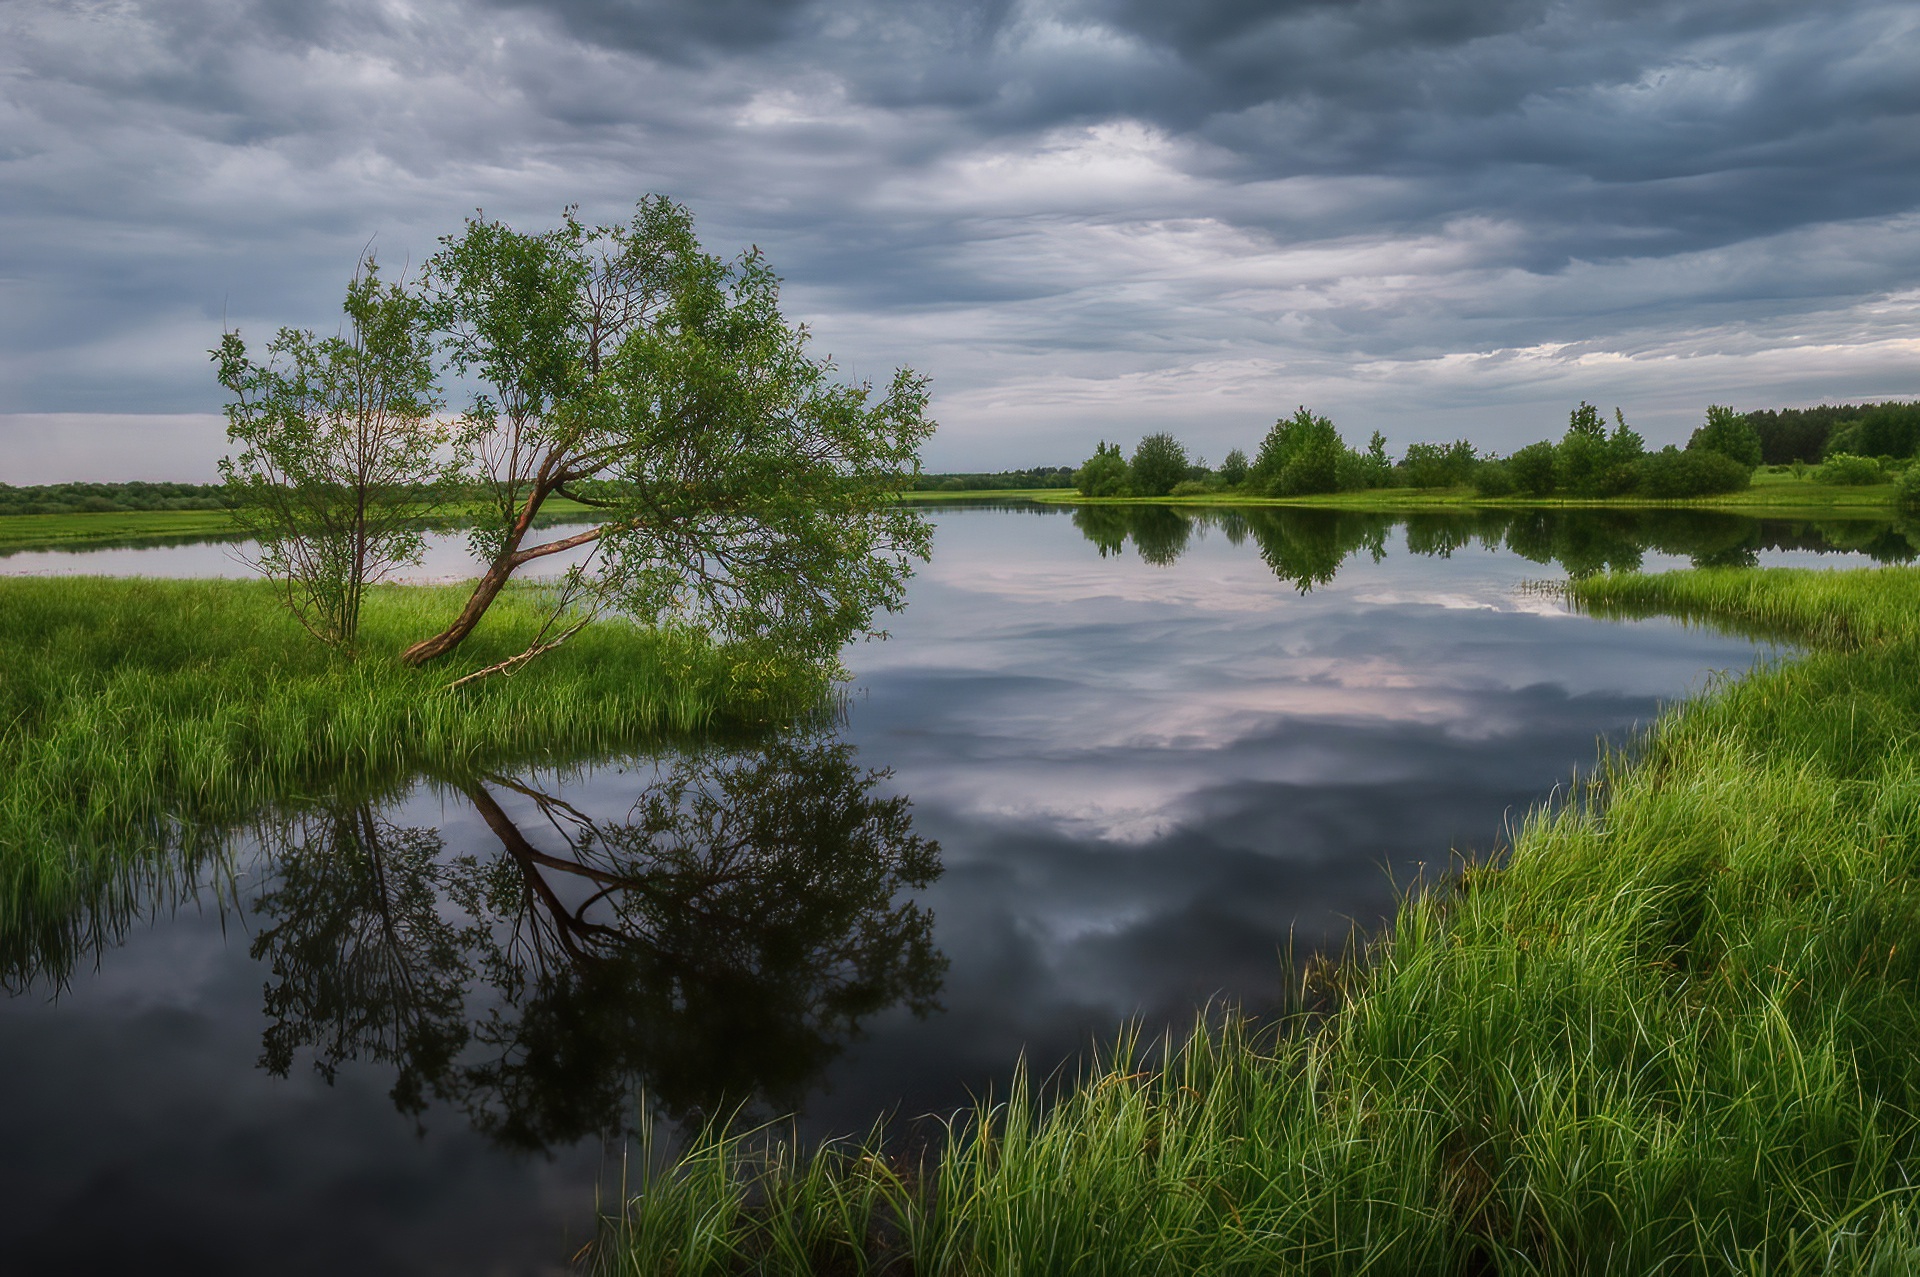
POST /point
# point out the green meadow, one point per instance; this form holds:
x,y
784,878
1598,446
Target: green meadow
x,y
1672,1029
91,531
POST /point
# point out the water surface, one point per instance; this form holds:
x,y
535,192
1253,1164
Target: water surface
x,y
1109,766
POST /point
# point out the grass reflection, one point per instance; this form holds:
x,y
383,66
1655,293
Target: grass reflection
x,y
714,948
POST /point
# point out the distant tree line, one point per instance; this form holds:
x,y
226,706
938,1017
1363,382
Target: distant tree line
x,y
998,481
106,498
1305,455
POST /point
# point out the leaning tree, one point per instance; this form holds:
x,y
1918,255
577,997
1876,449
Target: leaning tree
x,y
741,488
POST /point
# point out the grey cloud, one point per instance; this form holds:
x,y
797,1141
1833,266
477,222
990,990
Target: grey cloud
x,y
956,186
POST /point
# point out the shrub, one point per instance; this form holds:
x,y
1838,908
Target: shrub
x,y
1906,490
1846,469
1729,434
1191,488
1104,475
1158,463
1434,465
1233,471
1314,469
1299,456
1671,473
1493,479
1533,469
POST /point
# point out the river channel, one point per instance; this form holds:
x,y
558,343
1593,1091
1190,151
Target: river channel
x,y
1110,766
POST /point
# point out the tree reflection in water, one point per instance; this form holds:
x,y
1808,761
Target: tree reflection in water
x,y
717,947
1307,547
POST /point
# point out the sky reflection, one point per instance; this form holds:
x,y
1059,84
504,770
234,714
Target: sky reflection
x,y
1146,782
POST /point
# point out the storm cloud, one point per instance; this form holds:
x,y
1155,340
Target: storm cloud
x,y
1083,218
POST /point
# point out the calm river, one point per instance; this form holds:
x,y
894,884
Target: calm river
x,y
1108,767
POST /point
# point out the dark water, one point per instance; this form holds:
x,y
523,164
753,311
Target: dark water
x,y
1107,765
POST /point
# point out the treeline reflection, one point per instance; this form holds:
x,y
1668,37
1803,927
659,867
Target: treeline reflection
x,y
714,948
1307,547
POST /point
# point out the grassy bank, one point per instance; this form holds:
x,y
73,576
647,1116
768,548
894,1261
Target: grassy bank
x,y
165,527
1677,1032
133,709
137,527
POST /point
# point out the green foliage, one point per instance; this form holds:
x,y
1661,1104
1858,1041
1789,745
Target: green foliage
x,y
1300,456
137,711
1729,434
1671,473
752,494
338,453
1104,474
1493,478
1791,435
712,947
996,481
1534,470
1233,470
1590,462
1159,462
1844,469
105,498
1906,490
1888,429
1673,1032
1435,465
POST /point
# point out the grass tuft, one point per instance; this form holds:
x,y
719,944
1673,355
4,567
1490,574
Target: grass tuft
x,y
134,713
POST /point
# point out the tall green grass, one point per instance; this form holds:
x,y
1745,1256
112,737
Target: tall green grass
x,y
135,711
1676,1031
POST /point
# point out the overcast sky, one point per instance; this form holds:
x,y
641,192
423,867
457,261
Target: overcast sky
x,y
1084,219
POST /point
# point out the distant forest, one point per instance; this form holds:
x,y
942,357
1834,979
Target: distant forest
x,y
107,498
998,481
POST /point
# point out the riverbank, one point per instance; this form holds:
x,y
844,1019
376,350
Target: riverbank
x,y
1783,495
93,531
1676,1031
135,709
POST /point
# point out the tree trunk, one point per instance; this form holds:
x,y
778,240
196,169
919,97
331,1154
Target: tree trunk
x,y
477,603
510,559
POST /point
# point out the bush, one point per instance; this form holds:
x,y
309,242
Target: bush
x,y
1233,471
1906,490
1104,475
1158,463
1493,479
1300,456
1846,469
1314,469
1433,465
1729,434
1533,469
1670,473
1191,488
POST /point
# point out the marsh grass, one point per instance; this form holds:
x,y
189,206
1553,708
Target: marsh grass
x,y
1676,1031
137,714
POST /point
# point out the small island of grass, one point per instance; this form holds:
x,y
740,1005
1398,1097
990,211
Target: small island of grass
x,y
134,710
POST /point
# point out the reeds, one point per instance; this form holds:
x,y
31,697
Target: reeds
x,y
1678,1030
133,710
